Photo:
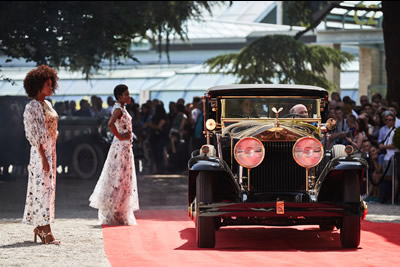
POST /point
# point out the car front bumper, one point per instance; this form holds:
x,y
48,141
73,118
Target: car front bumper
x,y
281,209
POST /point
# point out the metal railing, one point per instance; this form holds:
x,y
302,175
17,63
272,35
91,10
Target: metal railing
x,y
394,174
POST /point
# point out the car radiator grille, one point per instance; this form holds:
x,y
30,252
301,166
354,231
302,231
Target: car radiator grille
x,y
278,172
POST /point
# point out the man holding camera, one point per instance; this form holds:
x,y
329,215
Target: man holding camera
x,y
339,134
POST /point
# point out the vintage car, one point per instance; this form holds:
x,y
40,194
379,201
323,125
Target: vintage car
x,y
82,145
14,147
266,162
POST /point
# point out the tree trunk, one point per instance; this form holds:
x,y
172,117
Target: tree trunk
x,y
391,36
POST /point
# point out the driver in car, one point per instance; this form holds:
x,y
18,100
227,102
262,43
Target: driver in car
x,y
299,109
247,108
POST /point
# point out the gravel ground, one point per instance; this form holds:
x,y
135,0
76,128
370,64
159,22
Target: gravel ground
x,y
81,244
383,213
76,223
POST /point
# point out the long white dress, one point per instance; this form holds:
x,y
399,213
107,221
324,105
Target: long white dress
x,y
40,122
116,194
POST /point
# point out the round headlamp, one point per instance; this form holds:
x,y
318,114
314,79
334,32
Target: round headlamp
x,y
249,152
210,124
308,152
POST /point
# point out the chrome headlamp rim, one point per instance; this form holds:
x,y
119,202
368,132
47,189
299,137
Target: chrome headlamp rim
x,y
302,139
262,148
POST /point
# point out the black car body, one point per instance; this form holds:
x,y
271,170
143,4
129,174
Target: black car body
x,y
271,166
14,147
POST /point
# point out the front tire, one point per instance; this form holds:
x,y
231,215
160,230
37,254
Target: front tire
x,y
85,160
205,226
350,231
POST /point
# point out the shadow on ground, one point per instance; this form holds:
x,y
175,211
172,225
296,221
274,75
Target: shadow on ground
x,y
72,195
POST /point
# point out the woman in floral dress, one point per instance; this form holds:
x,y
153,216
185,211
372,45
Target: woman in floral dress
x,y
115,194
40,122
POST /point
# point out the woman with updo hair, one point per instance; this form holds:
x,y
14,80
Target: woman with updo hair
x,y
40,123
115,195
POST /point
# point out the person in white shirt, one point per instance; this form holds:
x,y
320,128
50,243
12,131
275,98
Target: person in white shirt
x,y
387,160
395,112
383,131
196,110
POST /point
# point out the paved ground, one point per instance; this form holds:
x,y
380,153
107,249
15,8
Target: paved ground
x,y
76,223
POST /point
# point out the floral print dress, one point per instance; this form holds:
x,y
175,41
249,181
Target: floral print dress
x,y
40,122
115,194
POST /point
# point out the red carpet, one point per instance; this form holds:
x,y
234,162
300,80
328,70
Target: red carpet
x,y
167,238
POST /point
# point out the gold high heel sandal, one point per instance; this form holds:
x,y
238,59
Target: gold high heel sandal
x,y
46,238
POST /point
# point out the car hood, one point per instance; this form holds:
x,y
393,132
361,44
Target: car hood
x,y
271,130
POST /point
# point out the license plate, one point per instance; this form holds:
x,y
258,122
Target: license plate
x,y
280,207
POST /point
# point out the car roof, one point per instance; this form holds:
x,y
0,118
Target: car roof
x,y
266,89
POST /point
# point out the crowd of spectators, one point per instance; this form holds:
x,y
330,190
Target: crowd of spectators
x,y
369,128
86,109
163,141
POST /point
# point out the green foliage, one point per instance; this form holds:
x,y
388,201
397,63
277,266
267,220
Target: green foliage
x,y
396,138
300,12
81,35
281,59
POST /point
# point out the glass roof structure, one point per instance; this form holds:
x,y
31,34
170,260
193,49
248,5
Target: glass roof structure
x,y
167,85
343,17
207,29
189,83
244,11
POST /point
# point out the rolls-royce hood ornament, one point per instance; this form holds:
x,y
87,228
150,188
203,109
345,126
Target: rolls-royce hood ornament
x,y
277,130
277,115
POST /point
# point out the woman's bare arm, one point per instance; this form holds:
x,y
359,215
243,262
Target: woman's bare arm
x,y
111,123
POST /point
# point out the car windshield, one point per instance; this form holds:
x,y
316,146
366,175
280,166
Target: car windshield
x,y
268,107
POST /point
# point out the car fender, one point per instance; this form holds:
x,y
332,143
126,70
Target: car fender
x,y
213,165
199,163
333,175
341,164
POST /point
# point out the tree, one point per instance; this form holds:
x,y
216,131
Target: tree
x,y
391,37
280,59
298,13
81,35
309,12
284,59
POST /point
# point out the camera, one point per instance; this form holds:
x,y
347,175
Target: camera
x,y
348,134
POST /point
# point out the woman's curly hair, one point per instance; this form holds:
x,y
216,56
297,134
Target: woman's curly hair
x,y
35,79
